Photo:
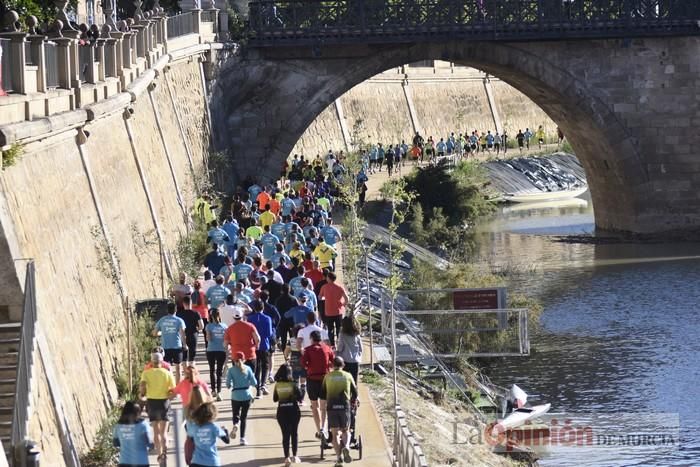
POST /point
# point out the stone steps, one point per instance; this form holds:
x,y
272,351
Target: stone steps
x,y
9,356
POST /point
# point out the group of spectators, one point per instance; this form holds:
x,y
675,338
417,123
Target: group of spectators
x,y
267,285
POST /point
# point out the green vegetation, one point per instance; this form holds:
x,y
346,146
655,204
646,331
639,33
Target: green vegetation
x,y
103,454
372,378
192,248
466,276
448,202
12,155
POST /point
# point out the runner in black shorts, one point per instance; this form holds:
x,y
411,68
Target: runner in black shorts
x,y
316,360
340,392
173,356
158,409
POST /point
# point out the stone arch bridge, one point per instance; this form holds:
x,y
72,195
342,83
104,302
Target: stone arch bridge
x,y
629,106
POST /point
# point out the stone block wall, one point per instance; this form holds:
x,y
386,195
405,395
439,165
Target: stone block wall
x,y
518,112
450,103
323,134
448,107
48,200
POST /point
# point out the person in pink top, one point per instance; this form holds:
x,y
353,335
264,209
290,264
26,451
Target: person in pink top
x,y
184,387
163,364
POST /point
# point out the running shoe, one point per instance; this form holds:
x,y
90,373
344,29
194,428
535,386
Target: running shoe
x,y
218,398
265,391
346,455
296,460
244,442
234,432
287,462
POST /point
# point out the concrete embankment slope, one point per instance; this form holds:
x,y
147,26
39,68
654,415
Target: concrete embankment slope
x,y
90,203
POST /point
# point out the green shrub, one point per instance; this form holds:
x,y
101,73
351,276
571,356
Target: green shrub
x,y
102,453
12,155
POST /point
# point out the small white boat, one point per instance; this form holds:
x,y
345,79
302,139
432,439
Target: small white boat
x,y
540,196
521,415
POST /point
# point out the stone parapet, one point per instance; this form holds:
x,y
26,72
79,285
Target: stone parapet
x,y
40,67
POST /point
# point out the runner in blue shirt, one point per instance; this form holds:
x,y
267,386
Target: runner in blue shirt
x,y
172,334
287,206
279,229
299,313
280,254
232,228
269,242
216,295
242,271
330,234
263,324
132,436
254,191
204,433
216,351
217,235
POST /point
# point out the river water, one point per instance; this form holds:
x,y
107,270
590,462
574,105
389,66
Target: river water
x,y
619,338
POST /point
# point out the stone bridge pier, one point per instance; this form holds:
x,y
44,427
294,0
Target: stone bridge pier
x,y
630,108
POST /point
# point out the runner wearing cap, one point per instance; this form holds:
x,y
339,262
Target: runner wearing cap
x,y
242,337
155,386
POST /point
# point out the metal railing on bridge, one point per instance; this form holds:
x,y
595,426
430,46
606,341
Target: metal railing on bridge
x,y
25,362
299,22
181,24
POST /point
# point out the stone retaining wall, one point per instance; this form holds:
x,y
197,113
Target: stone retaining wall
x,y
50,207
443,102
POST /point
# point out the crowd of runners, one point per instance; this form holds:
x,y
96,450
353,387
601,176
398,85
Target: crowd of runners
x,y
268,286
461,146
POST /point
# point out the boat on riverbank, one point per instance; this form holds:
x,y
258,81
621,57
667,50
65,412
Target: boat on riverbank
x,y
540,196
520,416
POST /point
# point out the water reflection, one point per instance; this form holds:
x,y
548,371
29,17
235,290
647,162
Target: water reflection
x,y
620,328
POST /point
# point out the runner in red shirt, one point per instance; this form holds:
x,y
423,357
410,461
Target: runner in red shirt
x,y
242,337
314,273
317,360
335,298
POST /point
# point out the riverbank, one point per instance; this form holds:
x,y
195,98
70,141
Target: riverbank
x,y
450,430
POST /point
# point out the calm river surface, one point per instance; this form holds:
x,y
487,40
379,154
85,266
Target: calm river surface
x,y
619,338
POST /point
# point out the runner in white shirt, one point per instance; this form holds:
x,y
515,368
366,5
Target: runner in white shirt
x,y
304,334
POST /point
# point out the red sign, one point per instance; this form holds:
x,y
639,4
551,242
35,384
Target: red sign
x,y
480,299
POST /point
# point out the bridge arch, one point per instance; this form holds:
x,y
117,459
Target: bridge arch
x,y
265,99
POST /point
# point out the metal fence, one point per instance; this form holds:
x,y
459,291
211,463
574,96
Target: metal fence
x,y
28,53
180,25
407,451
209,16
341,21
25,360
51,64
109,58
6,64
84,61
472,333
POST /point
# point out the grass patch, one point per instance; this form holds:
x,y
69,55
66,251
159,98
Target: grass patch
x,y
372,378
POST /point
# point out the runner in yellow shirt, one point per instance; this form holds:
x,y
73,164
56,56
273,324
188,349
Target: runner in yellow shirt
x,y
267,218
325,254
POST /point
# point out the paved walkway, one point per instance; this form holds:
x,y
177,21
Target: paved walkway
x,y
265,438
